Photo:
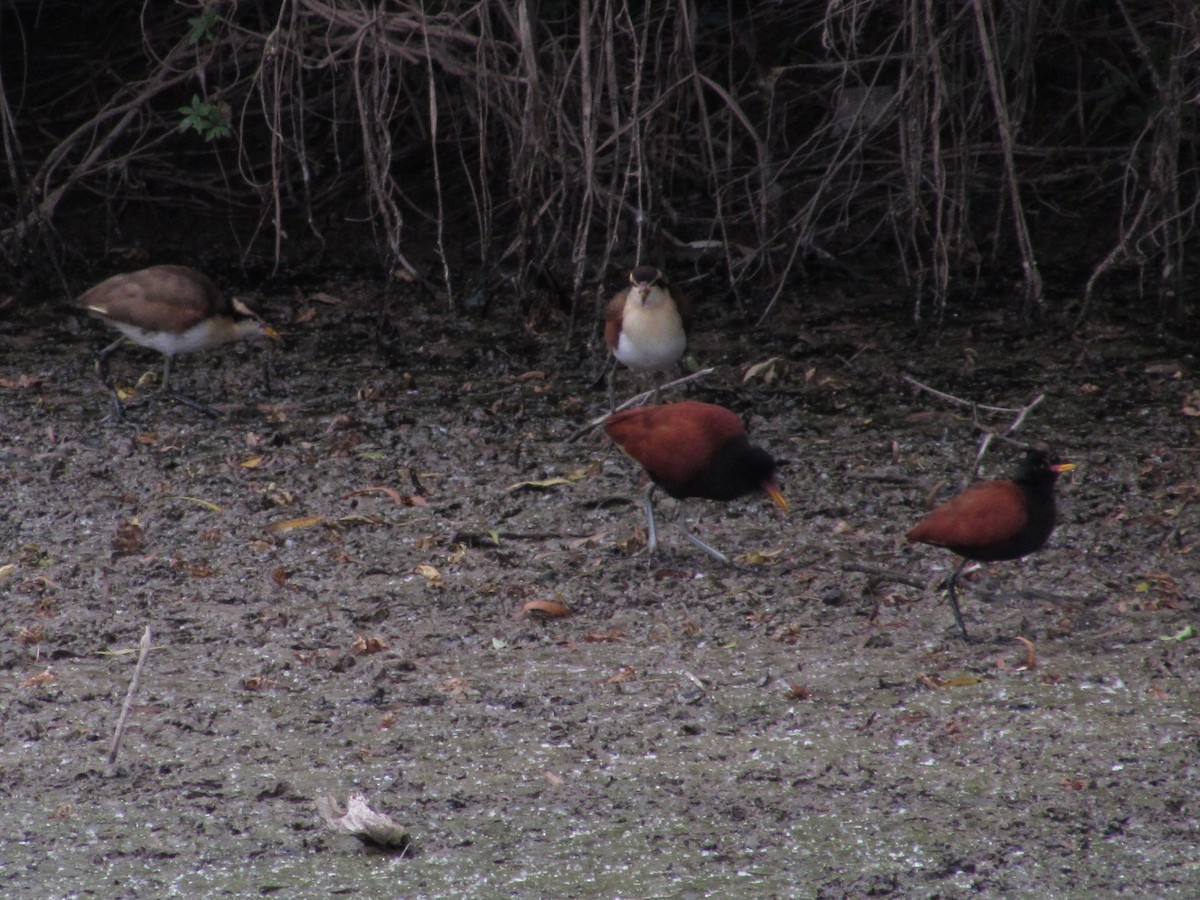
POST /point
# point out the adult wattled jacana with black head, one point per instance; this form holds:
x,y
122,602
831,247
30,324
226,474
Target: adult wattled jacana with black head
x,y
997,520
693,449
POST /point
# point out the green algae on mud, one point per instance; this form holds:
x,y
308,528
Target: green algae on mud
x,y
773,729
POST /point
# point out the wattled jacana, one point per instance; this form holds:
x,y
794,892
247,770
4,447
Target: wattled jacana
x,y
995,520
693,449
646,325
171,309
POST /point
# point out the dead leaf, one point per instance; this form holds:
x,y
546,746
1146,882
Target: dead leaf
x,y
294,524
128,539
430,574
22,382
548,608
537,485
767,371
40,680
391,492
364,823
327,299
760,557
457,688
1030,653
1191,404
364,645
253,462
612,636
627,673
207,504
932,681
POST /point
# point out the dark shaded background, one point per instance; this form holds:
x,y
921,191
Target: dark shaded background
x,y
529,149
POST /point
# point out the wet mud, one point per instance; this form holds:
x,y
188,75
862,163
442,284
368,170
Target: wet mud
x,y
338,573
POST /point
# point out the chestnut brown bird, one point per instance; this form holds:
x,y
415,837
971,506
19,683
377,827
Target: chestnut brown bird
x,y
171,309
693,449
995,520
646,325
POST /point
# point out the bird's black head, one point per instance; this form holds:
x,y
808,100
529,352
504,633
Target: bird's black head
x,y
1041,468
737,469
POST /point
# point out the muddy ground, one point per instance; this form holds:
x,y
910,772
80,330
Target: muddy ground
x,y
334,574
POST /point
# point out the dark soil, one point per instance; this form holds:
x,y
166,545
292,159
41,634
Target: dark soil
x,y
335,572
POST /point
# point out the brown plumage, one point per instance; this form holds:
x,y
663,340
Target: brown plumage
x,y
693,449
997,520
171,309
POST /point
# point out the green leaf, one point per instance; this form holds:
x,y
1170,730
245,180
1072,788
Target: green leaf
x,y
201,26
1187,631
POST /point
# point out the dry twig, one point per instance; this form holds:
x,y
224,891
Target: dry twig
x,y
134,684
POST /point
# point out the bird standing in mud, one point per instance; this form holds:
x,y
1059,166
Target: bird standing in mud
x,y
646,325
693,449
171,309
998,520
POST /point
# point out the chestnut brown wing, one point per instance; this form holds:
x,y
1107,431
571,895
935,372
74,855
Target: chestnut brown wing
x,y
613,314
674,442
986,514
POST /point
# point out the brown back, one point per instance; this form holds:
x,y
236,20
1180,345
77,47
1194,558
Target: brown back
x,y
160,298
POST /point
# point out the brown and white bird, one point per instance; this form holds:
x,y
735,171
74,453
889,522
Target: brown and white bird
x,y
646,325
171,309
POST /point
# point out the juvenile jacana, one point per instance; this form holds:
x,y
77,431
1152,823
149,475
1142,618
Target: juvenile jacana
x,y
693,449
995,520
171,309
646,325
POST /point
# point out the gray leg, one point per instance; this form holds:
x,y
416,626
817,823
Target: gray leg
x,y
954,603
710,550
652,533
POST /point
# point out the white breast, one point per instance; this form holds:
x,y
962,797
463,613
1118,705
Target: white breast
x,y
652,335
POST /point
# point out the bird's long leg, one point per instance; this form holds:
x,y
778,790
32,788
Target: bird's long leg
x,y
962,627
102,373
710,550
652,533
194,404
166,390
102,359
165,387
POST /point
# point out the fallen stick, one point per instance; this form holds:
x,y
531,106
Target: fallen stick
x,y
143,652
638,400
885,574
989,434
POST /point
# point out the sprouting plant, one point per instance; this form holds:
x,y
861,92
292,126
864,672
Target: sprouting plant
x,y
211,120
202,26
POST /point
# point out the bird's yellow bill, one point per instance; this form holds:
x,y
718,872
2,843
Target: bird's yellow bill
x,y
1063,467
775,494
270,332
